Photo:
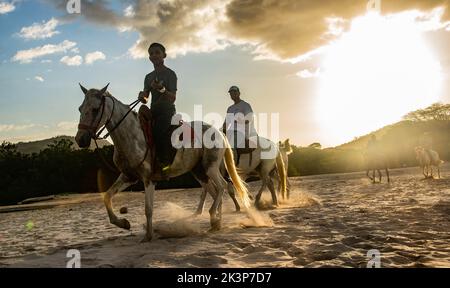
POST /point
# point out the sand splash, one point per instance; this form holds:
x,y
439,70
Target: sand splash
x,y
178,222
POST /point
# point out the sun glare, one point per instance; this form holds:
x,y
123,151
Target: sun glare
x,y
373,75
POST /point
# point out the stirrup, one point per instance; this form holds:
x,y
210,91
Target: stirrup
x,y
161,174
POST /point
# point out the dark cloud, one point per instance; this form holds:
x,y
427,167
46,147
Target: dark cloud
x,y
285,28
293,27
182,25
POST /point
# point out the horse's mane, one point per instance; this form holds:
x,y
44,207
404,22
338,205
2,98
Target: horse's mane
x,y
135,114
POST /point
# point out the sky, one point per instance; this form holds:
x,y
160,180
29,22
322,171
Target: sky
x,y
329,70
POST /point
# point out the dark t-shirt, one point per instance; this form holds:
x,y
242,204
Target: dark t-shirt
x,y
168,79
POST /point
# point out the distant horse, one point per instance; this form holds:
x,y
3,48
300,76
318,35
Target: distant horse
x,y
256,165
100,108
376,161
285,150
428,159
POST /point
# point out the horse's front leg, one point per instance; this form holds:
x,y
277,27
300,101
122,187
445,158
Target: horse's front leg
x,y
120,184
258,196
379,175
149,199
201,204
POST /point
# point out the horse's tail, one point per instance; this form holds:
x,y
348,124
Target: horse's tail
x,y
282,172
238,184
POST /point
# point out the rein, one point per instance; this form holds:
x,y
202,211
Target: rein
x,y
96,135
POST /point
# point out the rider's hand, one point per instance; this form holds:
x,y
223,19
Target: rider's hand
x,y
157,85
143,97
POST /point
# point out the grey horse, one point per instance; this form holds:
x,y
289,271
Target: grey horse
x,y
100,108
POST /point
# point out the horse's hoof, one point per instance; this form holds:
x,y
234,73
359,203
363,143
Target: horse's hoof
x,y
215,226
124,224
147,239
214,229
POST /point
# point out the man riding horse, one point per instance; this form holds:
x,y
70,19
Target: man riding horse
x,y
161,83
239,125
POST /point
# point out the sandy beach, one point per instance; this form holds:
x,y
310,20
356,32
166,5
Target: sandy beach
x,y
330,221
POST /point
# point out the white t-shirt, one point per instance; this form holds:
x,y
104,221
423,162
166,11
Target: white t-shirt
x,y
244,109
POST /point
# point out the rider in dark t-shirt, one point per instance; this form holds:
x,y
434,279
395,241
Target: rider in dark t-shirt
x,y
162,85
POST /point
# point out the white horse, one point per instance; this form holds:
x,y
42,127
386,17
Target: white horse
x,y
131,157
258,164
285,150
427,160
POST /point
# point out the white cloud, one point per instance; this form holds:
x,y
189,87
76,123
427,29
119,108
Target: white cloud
x,y
129,11
15,127
6,7
46,61
72,61
33,132
39,78
136,52
308,74
94,56
67,125
26,56
40,31
75,50
123,29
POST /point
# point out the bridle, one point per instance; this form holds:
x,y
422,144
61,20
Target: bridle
x,y
92,129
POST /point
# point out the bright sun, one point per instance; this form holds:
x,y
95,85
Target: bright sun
x,y
373,75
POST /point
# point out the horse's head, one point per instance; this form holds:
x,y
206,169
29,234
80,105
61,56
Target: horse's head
x,y
93,115
285,146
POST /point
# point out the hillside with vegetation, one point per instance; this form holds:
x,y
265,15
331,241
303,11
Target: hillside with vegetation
x,y
397,142
61,167
37,146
